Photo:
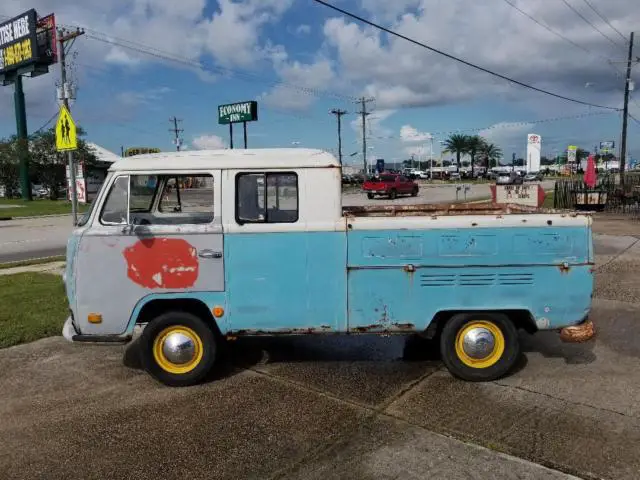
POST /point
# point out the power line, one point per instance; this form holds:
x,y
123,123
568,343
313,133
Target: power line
x,y
144,49
46,124
457,59
592,25
605,20
557,34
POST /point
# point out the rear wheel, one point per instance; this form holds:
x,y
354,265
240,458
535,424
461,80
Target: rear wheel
x,y
414,192
393,194
178,348
479,347
370,196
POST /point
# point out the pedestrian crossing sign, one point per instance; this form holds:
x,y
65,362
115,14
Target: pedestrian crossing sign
x,y
65,131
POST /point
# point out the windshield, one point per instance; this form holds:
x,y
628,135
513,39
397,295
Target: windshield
x,y
82,221
387,178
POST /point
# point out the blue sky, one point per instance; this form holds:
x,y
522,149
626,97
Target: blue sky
x,y
300,59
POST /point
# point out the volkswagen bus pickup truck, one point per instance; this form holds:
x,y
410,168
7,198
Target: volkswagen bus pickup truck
x,y
200,247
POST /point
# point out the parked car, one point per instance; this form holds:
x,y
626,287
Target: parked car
x,y
390,186
533,177
455,176
269,261
509,178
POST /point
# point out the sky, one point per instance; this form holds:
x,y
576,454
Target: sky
x,y
142,62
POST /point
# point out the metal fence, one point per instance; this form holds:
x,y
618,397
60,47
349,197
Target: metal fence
x,y
611,194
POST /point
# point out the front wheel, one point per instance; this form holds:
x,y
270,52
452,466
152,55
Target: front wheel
x,y
393,194
479,347
178,348
370,196
414,192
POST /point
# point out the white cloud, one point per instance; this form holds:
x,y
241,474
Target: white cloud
x,y
310,77
400,74
510,136
410,134
303,29
208,142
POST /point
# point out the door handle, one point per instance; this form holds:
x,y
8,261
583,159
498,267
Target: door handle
x,y
209,254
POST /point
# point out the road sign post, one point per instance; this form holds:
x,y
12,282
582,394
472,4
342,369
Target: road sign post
x,y
67,141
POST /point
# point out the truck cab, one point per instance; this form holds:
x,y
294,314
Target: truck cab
x,y
201,246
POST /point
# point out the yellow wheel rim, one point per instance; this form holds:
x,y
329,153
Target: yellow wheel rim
x,y
167,357
489,353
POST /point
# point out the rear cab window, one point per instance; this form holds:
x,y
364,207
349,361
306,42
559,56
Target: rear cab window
x,y
267,197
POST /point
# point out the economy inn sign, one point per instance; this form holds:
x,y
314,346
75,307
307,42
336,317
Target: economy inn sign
x,y
238,112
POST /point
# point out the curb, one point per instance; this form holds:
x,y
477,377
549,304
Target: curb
x,y
53,215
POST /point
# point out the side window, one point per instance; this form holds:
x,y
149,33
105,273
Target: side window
x,y
115,207
186,199
267,197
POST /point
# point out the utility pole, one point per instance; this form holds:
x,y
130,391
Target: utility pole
x,y
339,113
63,37
625,112
363,102
176,132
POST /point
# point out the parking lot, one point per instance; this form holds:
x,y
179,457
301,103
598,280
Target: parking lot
x,y
339,407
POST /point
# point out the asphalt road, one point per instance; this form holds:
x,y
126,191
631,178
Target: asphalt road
x,y
337,407
25,239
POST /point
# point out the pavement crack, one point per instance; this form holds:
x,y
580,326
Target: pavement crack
x,y
560,399
406,389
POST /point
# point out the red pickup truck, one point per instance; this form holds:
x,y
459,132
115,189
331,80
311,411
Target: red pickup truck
x,y
390,185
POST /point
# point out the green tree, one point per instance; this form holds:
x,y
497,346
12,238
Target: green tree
x,y
491,154
456,143
9,166
474,145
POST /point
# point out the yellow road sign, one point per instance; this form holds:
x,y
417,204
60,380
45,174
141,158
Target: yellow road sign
x,y
65,131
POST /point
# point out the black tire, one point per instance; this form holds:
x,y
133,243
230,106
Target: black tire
x,y
370,196
414,192
393,194
496,364
195,325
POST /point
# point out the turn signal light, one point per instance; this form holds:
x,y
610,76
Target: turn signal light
x,y
218,311
94,318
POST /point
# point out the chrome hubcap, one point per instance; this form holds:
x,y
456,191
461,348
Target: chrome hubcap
x,y
178,348
478,343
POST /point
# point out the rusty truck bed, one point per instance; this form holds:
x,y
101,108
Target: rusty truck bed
x,y
449,209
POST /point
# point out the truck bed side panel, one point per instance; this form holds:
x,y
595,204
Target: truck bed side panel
x,y
399,279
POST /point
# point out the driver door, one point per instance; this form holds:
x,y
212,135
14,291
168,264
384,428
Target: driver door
x,y
154,234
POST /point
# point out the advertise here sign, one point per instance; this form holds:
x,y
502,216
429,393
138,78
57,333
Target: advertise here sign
x,y
238,112
529,195
18,45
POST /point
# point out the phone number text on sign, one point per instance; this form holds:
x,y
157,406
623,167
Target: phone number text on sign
x,y
16,53
520,194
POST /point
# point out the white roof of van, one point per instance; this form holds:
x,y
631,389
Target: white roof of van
x,y
237,158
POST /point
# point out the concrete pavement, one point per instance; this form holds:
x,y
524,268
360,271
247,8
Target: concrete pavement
x,y
28,238
336,407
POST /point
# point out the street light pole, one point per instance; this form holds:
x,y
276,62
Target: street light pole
x,y
430,157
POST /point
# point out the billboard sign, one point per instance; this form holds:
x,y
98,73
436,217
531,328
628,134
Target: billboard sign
x,y
534,146
238,112
607,147
130,152
18,42
572,154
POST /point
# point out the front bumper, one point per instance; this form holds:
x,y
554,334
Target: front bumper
x,y
579,333
70,333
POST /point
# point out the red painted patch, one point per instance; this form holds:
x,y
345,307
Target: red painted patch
x,y
162,263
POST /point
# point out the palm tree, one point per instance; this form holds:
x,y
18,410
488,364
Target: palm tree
x,y
491,153
474,145
456,143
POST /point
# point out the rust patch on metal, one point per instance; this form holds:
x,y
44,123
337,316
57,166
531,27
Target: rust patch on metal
x,y
404,326
434,210
578,333
409,268
564,268
284,331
